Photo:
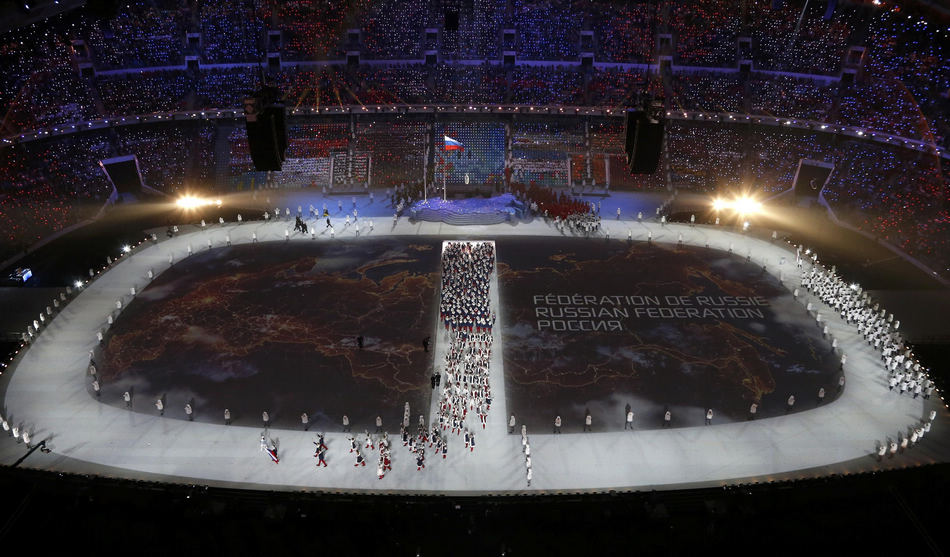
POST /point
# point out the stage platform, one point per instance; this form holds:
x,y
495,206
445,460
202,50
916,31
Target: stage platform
x,y
271,324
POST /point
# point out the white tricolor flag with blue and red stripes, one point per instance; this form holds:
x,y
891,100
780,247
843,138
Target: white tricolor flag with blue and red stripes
x,y
452,145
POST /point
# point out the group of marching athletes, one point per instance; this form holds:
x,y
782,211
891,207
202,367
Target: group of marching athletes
x,y
383,444
466,270
904,373
466,396
465,308
417,443
577,223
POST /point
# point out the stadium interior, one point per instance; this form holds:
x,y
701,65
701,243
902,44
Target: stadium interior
x,y
815,123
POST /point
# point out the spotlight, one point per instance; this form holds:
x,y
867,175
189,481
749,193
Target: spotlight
x,y
188,202
191,202
78,284
126,248
747,205
720,204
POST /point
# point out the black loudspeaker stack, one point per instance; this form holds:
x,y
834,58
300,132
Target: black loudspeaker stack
x,y
266,119
643,141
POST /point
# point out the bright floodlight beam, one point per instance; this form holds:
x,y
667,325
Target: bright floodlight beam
x,y
188,202
720,204
192,202
747,206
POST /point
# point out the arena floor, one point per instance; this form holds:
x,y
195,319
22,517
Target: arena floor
x,y
271,325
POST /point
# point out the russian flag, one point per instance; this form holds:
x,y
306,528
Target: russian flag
x,y
451,144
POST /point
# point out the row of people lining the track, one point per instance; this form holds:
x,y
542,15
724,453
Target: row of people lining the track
x,y
525,446
907,439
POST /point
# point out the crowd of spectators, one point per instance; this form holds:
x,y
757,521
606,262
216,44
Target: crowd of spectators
x,y
617,87
910,53
145,92
477,37
203,167
482,158
625,32
226,87
398,150
394,29
705,157
239,153
547,29
787,38
304,87
547,136
47,186
721,92
38,85
32,211
231,31
480,84
774,154
606,137
149,35
546,85
705,32
400,84
896,195
885,104
312,29
901,89
162,152
778,95
316,140
540,152
51,97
